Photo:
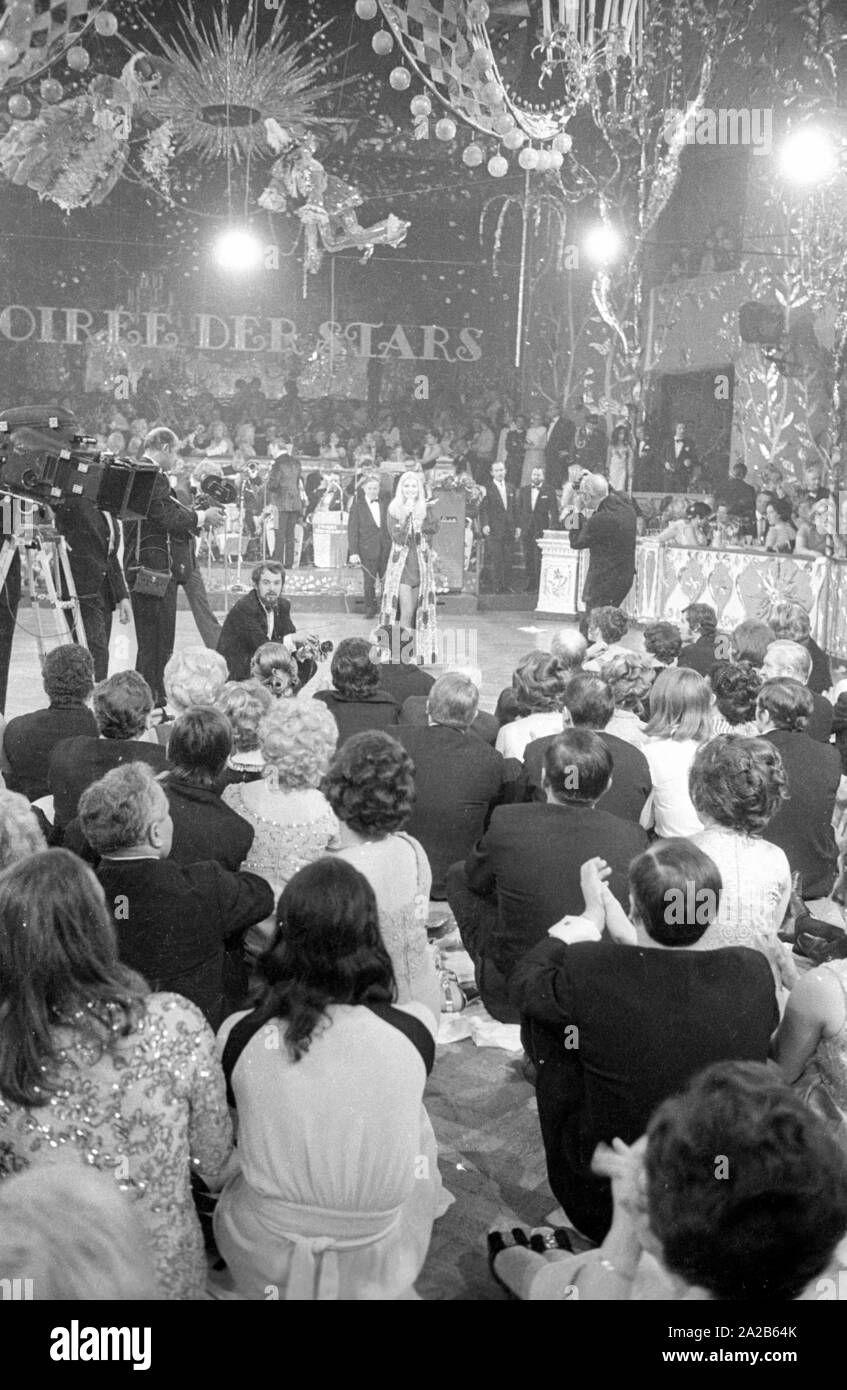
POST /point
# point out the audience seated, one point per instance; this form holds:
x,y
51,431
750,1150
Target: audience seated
x,y
588,699
606,627
273,667
767,1231
750,641
338,1184
244,704
21,834
680,721
802,826
569,647
370,787
28,740
793,661
484,725
122,706
790,621
811,1045
737,785
735,686
457,782
702,646
539,685
647,1017
171,920
630,679
97,1066
394,650
523,876
358,702
663,643
193,676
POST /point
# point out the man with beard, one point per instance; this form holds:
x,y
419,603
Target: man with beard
x,y
261,616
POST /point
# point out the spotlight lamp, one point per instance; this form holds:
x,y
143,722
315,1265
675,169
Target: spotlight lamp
x,y
809,156
238,250
602,244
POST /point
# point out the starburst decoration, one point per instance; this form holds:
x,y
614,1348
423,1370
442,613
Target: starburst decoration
x,y
221,84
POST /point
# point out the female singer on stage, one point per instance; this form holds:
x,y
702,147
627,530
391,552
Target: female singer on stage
x,y
408,593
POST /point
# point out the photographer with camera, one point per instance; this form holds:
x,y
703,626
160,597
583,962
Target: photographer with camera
x,y
93,537
265,616
159,555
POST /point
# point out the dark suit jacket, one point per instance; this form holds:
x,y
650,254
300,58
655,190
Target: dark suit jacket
x,y
404,678
558,450
545,517
29,740
284,484
593,452
701,655
414,713
738,496
164,540
819,726
359,716
370,542
245,629
530,858
78,762
631,780
458,781
683,465
648,1020
802,825
502,520
172,920
609,537
821,677
87,532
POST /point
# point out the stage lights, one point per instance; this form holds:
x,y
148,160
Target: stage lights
x,y
602,244
238,251
809,156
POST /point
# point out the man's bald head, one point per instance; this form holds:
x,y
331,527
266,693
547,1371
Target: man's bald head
x,y
570,647
593,488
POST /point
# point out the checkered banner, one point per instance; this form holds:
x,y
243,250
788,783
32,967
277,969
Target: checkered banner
x,y
36,26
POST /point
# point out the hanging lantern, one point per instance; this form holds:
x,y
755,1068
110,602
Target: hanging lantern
x,y
543,161
20,106
8,52
51,91
106,24
478,12
445,128
557,159
504,123
498,166
473,155
563,142
528,158
77,58
366,9
400,79
480,62
382,42
514,139
492,92
420,106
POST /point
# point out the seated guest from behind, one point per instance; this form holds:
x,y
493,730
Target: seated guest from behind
x,y
171,920
588,699
273,667
737,786
28,740
648,1016
394,649
539,684
802,826
193,676
523,876
457,782
791,661
20,832
606,627
811,1044
750,641
680,721
244,704
568,646
630,679
735,686
662,643
484,725
204,826
122,706
702,645
357,700
790,623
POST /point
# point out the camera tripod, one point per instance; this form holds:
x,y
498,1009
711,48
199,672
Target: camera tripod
x,y
44,560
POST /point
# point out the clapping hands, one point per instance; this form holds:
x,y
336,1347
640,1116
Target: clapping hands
x,y
601,904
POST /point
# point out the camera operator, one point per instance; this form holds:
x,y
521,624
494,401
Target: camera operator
x,y
92,537
263,616
159,555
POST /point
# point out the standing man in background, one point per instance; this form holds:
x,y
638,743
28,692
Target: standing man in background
x,y
499,524
368,540
606,528
538,511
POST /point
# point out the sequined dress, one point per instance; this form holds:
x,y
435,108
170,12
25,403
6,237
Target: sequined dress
x,y
149,1111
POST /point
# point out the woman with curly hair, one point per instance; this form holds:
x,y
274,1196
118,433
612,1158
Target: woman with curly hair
x,y
338,1184
630,678
606,626
680,720
370,786
274,667
357,701
244,704
735,686
663,644
737,785
292,821
539,684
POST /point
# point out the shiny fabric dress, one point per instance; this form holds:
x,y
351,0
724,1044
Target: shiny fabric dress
x,y
412,562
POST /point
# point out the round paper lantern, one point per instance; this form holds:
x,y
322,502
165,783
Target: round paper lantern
x,y
473,155
77,58
543,161
480,61
106,24
400,79
8,52
557,159
382,42
51,90
445,128
514,139
420,106
504,123
498,166
20,106
366,9
492,92
563,142
478,12
528,158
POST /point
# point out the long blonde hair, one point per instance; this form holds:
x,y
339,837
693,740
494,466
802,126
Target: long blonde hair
x,y
397,507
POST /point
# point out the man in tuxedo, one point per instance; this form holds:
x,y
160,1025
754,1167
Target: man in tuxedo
x,y
736,494
499,527
285,491
558,449
368,541
538,511
261,616
793,661
680,460
592,447
606,528
92,537
163,541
